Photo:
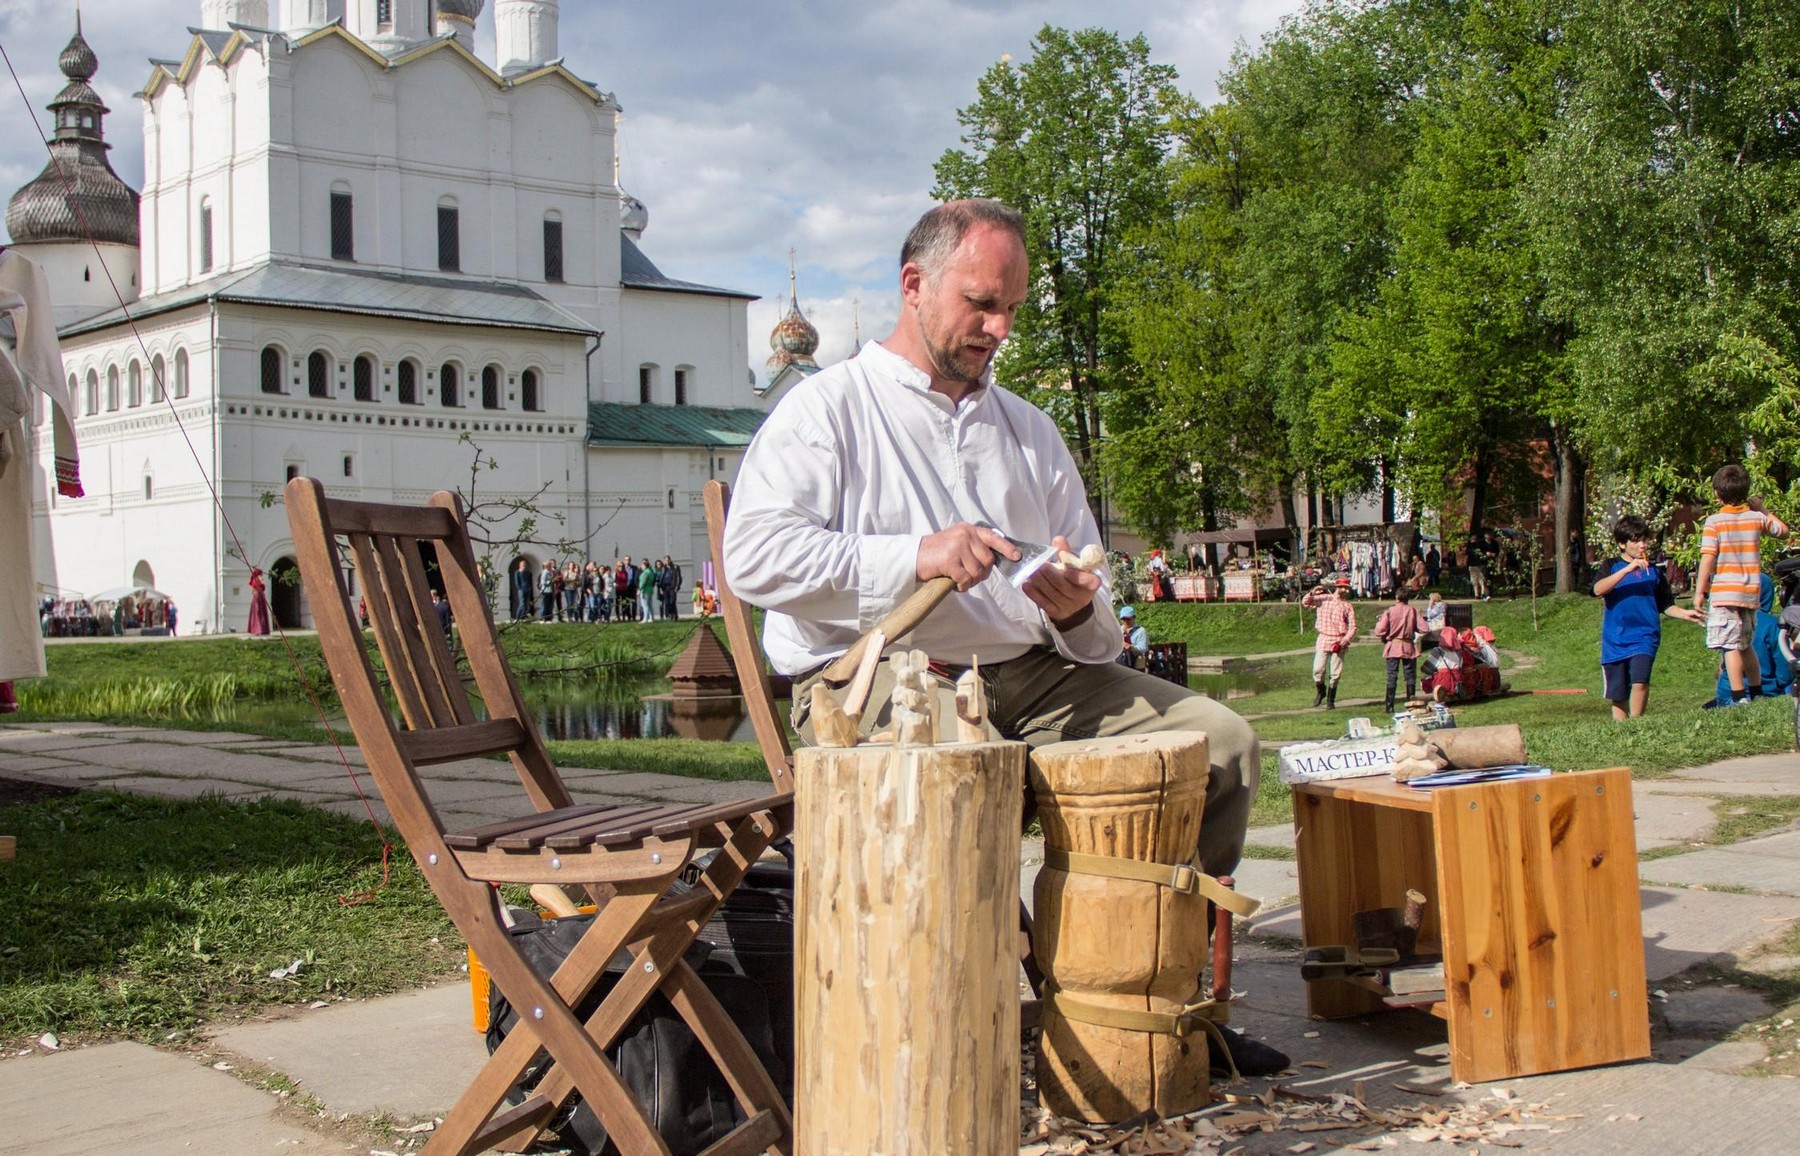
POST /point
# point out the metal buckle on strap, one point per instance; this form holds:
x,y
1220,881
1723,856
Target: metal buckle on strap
x,y
1184,879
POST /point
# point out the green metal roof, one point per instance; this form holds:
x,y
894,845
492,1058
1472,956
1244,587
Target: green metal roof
x,y
671,425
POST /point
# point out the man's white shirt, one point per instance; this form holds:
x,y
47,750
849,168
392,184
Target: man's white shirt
x,y
858,464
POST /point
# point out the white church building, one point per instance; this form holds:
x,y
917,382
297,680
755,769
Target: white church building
x,y
359,248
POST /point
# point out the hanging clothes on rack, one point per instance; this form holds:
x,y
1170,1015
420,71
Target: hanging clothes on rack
x,y
32,365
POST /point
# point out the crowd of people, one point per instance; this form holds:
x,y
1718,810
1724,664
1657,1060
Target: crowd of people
x,y
80,618
627,590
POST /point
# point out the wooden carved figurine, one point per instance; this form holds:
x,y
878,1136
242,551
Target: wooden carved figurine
x,y
913,701
971,707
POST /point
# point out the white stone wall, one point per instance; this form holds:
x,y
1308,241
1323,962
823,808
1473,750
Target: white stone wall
x,y
670,331
81,286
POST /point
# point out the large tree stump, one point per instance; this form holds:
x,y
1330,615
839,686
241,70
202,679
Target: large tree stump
x,y
907,909
1115,943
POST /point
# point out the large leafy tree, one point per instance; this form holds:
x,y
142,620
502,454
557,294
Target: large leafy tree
x,y
1074,138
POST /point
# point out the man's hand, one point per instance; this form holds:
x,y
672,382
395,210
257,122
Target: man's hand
x,y
1064,593
1687,615
962,552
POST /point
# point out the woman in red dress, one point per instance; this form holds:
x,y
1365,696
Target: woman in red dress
x,y
259,603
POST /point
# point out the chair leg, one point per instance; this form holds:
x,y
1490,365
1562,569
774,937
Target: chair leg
x,y
737,1061
1034,975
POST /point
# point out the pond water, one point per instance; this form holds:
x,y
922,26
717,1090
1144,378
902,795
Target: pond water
x,y
567,708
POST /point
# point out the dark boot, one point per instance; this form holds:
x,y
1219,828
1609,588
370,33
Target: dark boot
x,y
1331,697
1388,706
1318,697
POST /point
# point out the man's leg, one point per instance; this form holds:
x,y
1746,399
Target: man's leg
x,y
1411,666
1393,679
1320,657
1337,672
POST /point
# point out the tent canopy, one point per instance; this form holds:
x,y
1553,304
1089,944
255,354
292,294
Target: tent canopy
x,y
138,593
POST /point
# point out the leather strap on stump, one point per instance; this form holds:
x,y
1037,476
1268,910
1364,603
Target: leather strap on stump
x,y
1201,1015
1179,877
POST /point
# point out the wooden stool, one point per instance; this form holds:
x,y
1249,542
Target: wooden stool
x,y
1121,926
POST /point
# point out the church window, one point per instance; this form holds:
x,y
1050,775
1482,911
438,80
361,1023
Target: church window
x,y
528,391
409,383
490,387
318,374
364,377
646,384
449,379
206,236
271,370
553,249
343,227
158,377
384,11
134,384
349,465
449,224
90,402
181,373
112,388
147,487
681,384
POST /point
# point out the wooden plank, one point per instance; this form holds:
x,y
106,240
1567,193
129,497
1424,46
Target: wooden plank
x,y
1378,790
412,656
435,644
8,846
746,652
378,596
348,517
447,744
1543,944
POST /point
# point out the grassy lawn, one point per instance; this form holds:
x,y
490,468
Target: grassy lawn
x,y
140,917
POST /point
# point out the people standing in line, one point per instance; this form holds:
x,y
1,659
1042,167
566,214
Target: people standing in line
x,y
671,588
646,591
1637,597
571,591
623,590
1335,620
1730,564
1399,628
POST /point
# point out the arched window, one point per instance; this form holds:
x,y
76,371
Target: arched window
x,y
409,383
450,384
364,378
181,373
159,382
134,384
206,235
449,230
91,403
490,387
112,388
529,397
318,374
272,359
646,384
553,246
681,386
343,223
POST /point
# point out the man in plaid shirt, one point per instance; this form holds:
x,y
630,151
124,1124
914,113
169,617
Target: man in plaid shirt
x,y
1335,620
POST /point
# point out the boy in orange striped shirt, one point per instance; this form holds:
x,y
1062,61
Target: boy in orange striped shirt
x,y
1731,574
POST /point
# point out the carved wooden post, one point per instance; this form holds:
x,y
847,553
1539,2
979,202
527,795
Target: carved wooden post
x,y
907,907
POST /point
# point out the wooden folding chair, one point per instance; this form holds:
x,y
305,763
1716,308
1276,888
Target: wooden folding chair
x,y
627,857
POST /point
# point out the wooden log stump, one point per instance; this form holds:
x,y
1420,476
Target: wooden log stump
x,y
1119,944
907,908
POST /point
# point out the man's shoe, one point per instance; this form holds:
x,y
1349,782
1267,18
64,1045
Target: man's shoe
x,y
1319,695
1331,697
1252,1057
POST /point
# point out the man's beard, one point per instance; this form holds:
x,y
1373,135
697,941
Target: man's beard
x,y
945,365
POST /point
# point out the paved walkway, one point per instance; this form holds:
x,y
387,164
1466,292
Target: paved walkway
x,y
404,1058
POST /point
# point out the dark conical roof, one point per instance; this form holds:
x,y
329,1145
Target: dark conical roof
x,y
78,193
705,667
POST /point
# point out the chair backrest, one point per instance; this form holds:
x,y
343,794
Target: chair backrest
x,y
746,651
385,546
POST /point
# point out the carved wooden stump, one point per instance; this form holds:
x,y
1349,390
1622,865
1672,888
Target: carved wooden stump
x,y
907,908
1113,943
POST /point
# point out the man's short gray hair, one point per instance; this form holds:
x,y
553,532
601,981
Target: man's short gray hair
x,y
940,231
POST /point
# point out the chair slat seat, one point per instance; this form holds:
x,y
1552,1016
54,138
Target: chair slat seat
x,y
469,741
569,834
476,838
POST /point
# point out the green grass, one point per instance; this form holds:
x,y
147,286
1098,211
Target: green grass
x,y
1747,816
135,916
693,758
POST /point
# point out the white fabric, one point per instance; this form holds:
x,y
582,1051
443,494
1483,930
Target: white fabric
x,y
34,363
859,463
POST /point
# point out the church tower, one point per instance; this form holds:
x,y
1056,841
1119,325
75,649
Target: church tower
x,y
457,18
794,340
76,198
390,25
525,33
219,14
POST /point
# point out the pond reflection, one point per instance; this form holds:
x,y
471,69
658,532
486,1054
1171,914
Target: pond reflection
x,y
565,709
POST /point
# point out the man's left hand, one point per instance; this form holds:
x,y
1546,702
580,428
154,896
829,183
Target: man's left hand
x,y
1064,593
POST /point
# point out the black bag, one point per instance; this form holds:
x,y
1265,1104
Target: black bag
x,y
745,955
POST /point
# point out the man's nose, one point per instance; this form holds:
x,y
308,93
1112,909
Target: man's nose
x,y
998,326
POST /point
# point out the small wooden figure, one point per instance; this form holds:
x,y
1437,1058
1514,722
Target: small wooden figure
x,y
913,701
971,707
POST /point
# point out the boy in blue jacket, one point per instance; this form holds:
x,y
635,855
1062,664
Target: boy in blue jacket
x,y
1637,595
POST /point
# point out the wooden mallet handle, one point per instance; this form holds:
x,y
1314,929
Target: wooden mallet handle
x,y
899,620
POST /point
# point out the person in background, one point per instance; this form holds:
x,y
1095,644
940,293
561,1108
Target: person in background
x,y
547,579
519,586
1436,610
442,609
1730,563
1777,671
1480,552
169,616
646,591
1418,580
1637,597
1398,628
1335,620
1434,566
1134,644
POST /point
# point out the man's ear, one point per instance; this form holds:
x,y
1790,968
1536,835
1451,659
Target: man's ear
x,y
912,280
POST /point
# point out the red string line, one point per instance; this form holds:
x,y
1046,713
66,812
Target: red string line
x,y
74,203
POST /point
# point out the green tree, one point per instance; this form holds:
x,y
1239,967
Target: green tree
x,y
1074,138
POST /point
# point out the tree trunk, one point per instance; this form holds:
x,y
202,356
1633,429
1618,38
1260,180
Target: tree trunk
x,y
906,960
1478,484
1570,476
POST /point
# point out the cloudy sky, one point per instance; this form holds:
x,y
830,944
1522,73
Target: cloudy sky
x,y
751,127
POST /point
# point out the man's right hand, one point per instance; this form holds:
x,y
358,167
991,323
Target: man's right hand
x,y
962,552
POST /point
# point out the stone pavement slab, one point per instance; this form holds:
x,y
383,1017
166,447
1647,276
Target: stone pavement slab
x,y
1275,835
131,1098
1780,770
407,1055
1684,927
46,744
191,738
1665,820
172,787
24,764
1770,864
